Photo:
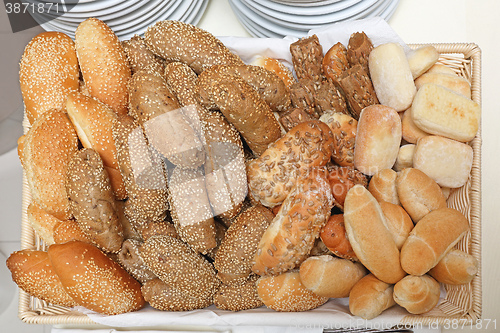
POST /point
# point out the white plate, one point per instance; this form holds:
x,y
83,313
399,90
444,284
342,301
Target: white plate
x,y
305,3
199,6
308,10
255,32
96,7
196,18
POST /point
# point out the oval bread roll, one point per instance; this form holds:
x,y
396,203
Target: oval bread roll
x,y
433,236
371,241
329,276
405,157
286,293
377,139
93,280
419,194
369,297
456,267
237,297
410,132
417,294
103,64
398,221
334,236
48,73
451,81
391,76
383,186
421,59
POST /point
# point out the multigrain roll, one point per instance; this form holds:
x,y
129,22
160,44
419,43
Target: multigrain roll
x,y
383,186
344,128
93,280
286,293
33,273
417,294
359,48
238,296
175,41
48,73
46,153
130,258
429,241
103,63
358,89
307,58
369,297
457,267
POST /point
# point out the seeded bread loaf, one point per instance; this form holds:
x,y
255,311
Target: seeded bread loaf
x,y
358,89
140,56
344,128
130,258
307,58
359,48
238,296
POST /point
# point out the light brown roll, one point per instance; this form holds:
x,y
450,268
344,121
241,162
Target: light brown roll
x,y
33,273
334,237
418,193
398,221
341,180
369,297
130,258
47,150
366,228
329,276
286,293
164,297
405,157
48,73
441,111
160,228
383,186
277,67
417,294
433,236
42,222
411,132
292,233
236,252
453,82
93,280
421,59
307,58
335,62
429,158
358,89
359,48
378,139
173,41
69,230
238,297
441,68
181,268
103,63
344,128
456,267
272,176
140,56
391,76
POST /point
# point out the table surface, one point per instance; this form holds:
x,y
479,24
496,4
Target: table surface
x,y
422,21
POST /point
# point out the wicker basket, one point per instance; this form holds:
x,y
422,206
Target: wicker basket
x,y
462,303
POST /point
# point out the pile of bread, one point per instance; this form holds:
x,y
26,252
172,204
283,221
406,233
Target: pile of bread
x,y
164,170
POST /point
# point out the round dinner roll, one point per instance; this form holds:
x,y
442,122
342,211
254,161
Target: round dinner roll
x,y
456,267
369,297
48,73
329,276
417,294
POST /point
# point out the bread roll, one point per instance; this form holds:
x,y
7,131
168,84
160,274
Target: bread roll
x,y
270,184
103,63
398,221
443,69
329,276
440,111
47,150
335,62
421,59
405,157
369,237
359,48
42,222
377,139
417,294
238,296
334,236
33,273
410,132
48,73
369,297
451,81
433,236
456,267
286,293
383,186
294,116
344,128
307,58
292,233
69,230
429,158
140,56
358,89
391,76
419,194
341,180
93,280
277,67
130,258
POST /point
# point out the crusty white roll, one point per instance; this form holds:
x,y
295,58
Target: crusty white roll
x,y
391,76
48,73
418,193
383,186
429,158
441,111
370,239
453,82
433,236
369,297
456,267
93,280
398,221
411,132
286,293
405,157
417,294
329,276
103,63
421,59
377,140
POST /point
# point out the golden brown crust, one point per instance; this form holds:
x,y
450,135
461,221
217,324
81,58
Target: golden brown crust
x,y
48,73
93,280
370,297
457,267
341,180
307,58
398,221
69,230
103,63
277,67
238,297
417,294
33,273
383,186
140,56
334,237
344,128
335,62
130,258
42,222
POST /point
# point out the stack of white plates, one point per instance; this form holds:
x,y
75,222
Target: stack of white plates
x,y
125,18
279,18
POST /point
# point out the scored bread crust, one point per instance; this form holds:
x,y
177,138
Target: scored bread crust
x,y
417,294
457,267
369,297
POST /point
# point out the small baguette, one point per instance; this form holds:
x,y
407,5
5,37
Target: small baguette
x,y
369,297
457,267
